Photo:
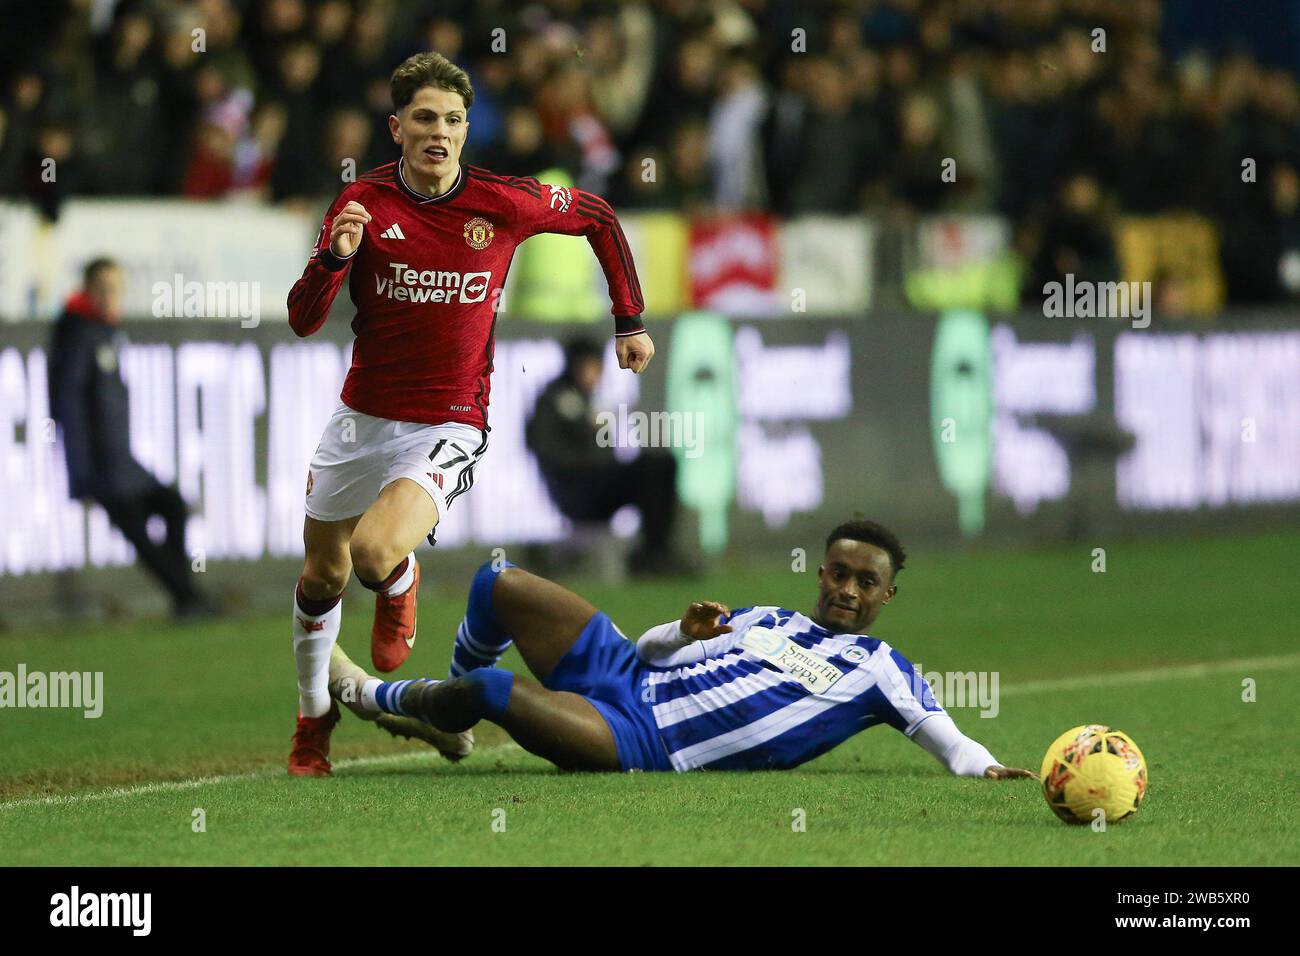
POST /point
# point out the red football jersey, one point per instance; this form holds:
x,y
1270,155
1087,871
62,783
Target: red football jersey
x,y
426,280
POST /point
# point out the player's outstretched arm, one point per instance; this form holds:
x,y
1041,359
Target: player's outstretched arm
x,y
679,642
313,294
964,757
570,211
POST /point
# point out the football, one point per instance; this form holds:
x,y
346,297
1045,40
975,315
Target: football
x,y
1093,768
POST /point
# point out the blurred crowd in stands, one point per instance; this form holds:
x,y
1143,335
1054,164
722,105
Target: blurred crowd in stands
x,y
788,105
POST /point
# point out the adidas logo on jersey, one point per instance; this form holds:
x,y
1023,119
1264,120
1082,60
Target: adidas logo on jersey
x,y
392,232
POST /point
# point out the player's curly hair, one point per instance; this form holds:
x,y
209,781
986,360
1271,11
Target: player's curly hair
x,y
870,532
428,69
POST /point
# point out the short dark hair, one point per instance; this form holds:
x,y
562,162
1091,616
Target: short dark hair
x,y
94,267
580,348
869,532
428,69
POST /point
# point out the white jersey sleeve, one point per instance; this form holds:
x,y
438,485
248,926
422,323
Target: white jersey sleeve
x,y
667,646
938,734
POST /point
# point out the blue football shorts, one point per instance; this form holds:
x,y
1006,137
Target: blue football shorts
x,y
603,667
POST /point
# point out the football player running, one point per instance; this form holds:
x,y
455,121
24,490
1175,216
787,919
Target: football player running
x,y
425,243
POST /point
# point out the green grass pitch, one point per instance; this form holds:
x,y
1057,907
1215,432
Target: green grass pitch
x,y
1158,646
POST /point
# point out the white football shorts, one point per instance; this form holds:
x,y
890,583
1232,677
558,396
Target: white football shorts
x,y
360,455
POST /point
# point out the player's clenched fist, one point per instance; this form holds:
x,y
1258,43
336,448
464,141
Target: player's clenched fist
x,y
700,622
634,351
345,233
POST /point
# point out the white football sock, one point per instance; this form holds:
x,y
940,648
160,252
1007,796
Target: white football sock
x,y
313,639
403,583
368,690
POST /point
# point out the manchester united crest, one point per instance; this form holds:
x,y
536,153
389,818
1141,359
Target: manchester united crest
x,y
478,233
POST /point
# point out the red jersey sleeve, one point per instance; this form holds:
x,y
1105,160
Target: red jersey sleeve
x,y
313,294
571,211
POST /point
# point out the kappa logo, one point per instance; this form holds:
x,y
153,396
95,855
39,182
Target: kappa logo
x,y
311,625
392,232
801,664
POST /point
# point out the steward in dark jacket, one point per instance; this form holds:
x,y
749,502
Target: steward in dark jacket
x,y
90,402
584,477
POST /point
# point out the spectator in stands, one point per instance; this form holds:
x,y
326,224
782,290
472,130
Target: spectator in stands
x,y
524,150
254,157
689,82
126,113
620,52
916,178
52,171
1075,237
347,138
299,170
89,401
211,171
1016,92
734,127
565,105
678,179
19,121
584,478
966,131
838,148
226,104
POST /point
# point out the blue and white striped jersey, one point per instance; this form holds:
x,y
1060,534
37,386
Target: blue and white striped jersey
x,y
778,691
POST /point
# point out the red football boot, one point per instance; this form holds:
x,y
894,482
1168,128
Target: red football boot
x,y
393,633
310,756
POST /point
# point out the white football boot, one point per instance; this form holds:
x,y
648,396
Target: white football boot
x,y
346,681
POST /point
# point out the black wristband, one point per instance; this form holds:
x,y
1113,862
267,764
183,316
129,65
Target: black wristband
x,y
628,325
335,263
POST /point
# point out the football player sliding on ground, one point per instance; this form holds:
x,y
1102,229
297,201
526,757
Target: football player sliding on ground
x,y
425,243
756,688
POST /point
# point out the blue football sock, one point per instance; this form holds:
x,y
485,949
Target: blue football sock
x,y
480,641
491,693
494,689
388,696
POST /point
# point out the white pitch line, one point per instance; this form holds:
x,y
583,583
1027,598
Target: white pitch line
x,y
1171,672
1148,675
168,786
